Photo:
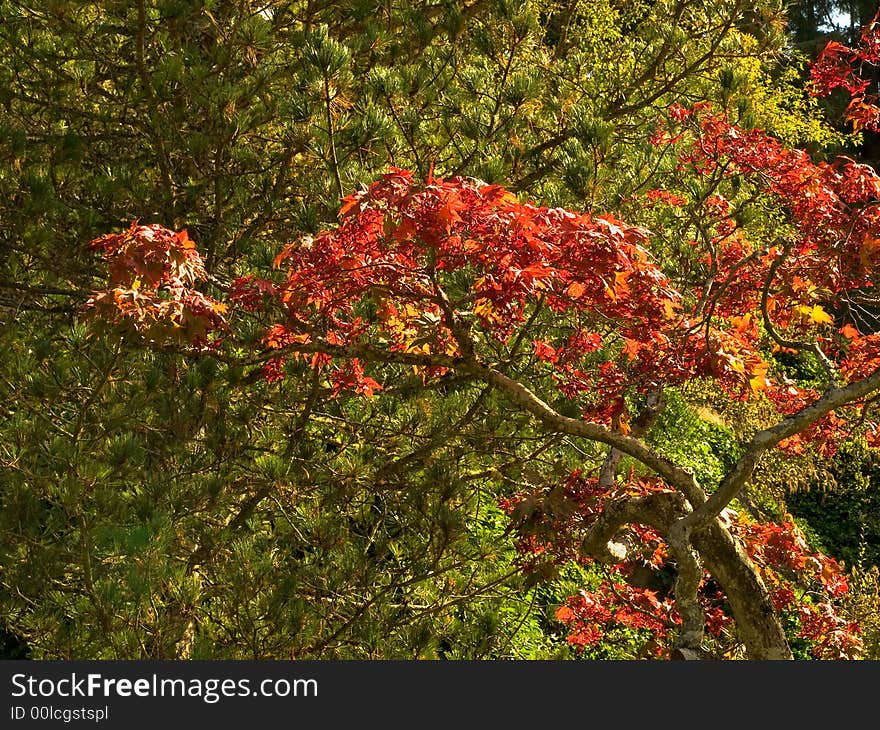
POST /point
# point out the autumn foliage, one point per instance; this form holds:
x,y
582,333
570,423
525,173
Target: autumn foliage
x,y
400,244
152,275
803,583
454,274
840,66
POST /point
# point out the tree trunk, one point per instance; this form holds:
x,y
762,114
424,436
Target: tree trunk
x,y
756,620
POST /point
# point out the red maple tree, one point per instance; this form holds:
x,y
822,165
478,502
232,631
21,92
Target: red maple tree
x,y
455,275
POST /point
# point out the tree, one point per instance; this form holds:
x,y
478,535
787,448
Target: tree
x,y
810,19
175,500
459,277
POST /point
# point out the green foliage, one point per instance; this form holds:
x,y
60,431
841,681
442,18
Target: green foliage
x,y
844,510
710,449
862,604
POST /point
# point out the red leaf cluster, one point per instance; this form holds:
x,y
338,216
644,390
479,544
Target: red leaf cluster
x,y
251,293
413,266
591,615
437,272
789,286
839,66
152,274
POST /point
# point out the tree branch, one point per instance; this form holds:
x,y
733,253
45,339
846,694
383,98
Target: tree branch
x,y
674,475
658,510
644,421
769,437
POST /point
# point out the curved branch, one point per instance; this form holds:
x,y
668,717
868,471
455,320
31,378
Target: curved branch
x,y
827,365
674,475
661,511
716,547
723,556
769,437
658,510
520,395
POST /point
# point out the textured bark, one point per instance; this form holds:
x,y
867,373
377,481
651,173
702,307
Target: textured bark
x,y
687,588
657,510
756,620
757,623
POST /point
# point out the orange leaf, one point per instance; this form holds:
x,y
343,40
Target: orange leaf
x,y
631,348
850,332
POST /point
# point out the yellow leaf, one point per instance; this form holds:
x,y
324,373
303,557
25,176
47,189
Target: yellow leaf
x,y
758,383
483,308
819,315
736,364
760,368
